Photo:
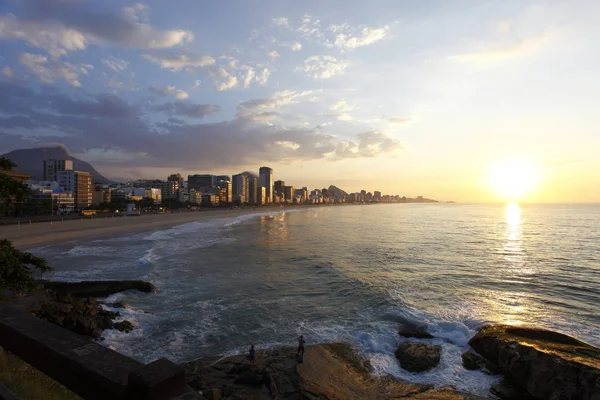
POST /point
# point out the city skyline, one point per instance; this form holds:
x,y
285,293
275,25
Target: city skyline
x,y
477,102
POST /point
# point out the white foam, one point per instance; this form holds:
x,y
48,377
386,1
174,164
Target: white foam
x,y
86,251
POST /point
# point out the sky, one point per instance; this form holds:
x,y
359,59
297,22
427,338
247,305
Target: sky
x,y
406,97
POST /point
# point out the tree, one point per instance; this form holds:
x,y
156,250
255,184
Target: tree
x,y
16,267
11,190
16,271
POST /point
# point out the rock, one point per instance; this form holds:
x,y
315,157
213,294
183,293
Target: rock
x,y
473,361
124,326
506,390
418,333
213,394
418,357
547,364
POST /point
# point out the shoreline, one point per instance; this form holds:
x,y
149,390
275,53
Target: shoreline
x,y
30,236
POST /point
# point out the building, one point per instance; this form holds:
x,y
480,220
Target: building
x,y
262,195
278,188
252,189
172,187
198,182
209,199
79,184
52,167
289,192
377,196
240,188
265,179
227,186
222,178
58,201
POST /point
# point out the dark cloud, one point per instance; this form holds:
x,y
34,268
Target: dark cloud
x,y
187,109
110,123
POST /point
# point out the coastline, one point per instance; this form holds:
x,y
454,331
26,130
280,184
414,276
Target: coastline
x,y
29,236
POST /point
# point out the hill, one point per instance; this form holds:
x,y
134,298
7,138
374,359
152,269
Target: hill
x,y
31,161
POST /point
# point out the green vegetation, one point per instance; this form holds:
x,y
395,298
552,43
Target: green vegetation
x,y
12,193
15,265
28,383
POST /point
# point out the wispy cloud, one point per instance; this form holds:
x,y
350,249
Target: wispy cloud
x,y
323,67
492,52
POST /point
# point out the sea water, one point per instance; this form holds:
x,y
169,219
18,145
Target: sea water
x,y
351,273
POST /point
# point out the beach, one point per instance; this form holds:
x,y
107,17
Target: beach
x,y
28,236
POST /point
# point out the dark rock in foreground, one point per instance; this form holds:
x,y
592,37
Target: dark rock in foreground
x,y
82,316
99,288
330,371
473,361
548,365
418,357
418,333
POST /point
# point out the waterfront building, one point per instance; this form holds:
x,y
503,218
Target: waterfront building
x,y
265,179
52,167
240,188
198,181
252,189
79,184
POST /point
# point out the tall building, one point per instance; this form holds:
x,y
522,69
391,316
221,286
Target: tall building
x,y
377,196
252,189
227,186
223,178
52,167
173,186
261,195
278,187
290,193
79,184
265,180
240,188
198,182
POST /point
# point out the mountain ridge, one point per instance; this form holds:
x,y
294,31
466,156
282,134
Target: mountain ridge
x,y
31,162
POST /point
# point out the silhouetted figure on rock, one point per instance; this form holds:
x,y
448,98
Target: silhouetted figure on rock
x,y
301,345
252,354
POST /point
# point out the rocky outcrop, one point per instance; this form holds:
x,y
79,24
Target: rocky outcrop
x,y
548,365
331,371
418,357
415,332
473,361
83,316
99,288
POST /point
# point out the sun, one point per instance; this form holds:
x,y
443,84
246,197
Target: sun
x,y
514,179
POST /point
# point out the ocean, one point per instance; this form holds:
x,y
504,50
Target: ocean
x,y
351,273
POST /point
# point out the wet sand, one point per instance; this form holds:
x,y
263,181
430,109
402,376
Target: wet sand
x,y
28,236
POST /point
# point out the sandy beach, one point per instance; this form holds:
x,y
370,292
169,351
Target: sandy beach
x,y
28,236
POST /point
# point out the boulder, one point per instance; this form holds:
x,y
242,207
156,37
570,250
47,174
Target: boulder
x,y
418,333
547,364
507,390
123,326
473,361
213,394
418,357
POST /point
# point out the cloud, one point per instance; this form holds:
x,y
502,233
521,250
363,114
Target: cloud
x,y
342,106
115,64
249,77
296,46
341,116
222,79
50,70
277,100
197,83
310,29
6,71
169,91
273,54
187,109
497,52
323,67
397,121
263,77
347,37
59,27
179,62
107,123
280,21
